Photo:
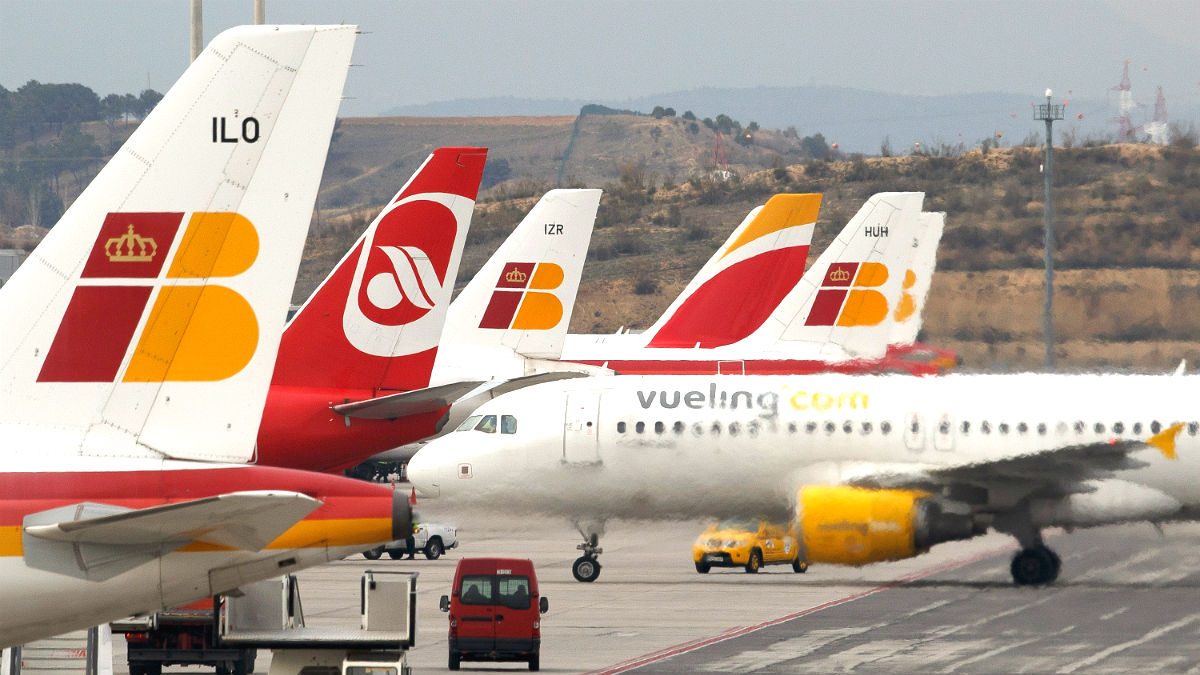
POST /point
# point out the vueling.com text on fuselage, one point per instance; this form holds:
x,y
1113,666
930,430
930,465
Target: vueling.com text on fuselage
x,y
716,398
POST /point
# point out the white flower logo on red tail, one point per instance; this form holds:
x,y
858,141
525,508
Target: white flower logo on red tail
x,y
413,278
399,289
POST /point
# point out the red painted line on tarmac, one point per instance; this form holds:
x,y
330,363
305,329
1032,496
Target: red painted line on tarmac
x,y
693,645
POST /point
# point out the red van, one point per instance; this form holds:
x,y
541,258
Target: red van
x,y
495,612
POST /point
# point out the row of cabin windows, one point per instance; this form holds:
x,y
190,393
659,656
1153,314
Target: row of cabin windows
x,y
829,427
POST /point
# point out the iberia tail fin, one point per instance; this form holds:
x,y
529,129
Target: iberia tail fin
x,y
766,255
519,304
914,289
148,320
843,303
375,322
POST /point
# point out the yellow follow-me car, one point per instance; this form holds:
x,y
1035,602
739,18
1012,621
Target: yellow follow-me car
x,y
749,545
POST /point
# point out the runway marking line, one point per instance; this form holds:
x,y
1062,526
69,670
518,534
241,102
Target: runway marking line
x,y
699,643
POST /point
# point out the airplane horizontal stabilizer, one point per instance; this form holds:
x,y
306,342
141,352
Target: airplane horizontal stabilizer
x,y
405,403
99,541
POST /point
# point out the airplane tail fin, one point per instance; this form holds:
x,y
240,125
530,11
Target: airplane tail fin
x,y
766,253
522,298
843,301
376,320
918,277
148,319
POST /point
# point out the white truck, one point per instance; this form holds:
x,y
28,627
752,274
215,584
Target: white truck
x,y
430,539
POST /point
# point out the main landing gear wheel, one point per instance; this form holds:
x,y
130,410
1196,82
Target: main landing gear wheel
x,y
702,567
586,569
373,554
799,566
1035,566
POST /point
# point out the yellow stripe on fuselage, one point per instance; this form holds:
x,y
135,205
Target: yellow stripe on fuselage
x,y
331,533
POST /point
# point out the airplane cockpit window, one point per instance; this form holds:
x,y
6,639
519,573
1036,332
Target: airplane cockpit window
x,y
1119,428
620,427
1192,427
487,425
508,424
1155,427
469,423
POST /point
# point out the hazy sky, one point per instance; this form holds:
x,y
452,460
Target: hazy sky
x,y
418,52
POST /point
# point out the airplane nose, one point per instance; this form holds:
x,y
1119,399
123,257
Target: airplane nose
x,y
422,473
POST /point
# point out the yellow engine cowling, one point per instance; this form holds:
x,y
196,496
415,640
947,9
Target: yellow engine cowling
x,y
844,525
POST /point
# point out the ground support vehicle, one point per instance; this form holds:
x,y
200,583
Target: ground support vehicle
x,y
748,545
432,540
181,636
495,612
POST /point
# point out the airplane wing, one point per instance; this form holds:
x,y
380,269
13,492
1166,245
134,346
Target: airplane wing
x,y
1060,470
100,541
405,403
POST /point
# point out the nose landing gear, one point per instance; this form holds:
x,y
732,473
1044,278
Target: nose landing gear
x,y
586,567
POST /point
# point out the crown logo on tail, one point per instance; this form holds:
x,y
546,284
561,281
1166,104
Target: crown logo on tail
x,y
515,276
131,247
840,274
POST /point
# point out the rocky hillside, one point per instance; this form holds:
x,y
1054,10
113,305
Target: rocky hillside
x,y
1128,222
1128,232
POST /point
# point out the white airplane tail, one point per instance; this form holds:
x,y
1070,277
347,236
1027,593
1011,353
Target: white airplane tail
x,y
843,301
766,254
917,279
148,320
521,300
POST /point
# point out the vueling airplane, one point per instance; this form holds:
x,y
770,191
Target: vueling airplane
x,y
138,343
757,284
871,467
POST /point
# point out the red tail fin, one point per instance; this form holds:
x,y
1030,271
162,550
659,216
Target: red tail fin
x,y
376,319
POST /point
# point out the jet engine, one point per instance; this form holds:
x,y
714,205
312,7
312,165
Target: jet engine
x,y
844,525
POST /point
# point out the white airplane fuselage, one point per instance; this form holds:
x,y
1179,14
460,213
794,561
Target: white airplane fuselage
x,y
692,446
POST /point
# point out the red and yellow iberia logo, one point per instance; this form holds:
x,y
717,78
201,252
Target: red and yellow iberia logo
x,y
908,303
520,301
193,330
847,298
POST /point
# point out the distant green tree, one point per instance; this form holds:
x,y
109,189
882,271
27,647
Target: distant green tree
x,y
669,112
659,112
147,100
815,146
497,170
689,115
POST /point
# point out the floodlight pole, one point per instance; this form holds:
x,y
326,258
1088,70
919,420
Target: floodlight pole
x,y
1048,113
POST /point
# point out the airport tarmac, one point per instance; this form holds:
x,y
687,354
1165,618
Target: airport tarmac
x,y
1128,599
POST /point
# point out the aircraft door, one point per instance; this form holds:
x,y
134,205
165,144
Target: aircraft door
x,y
914,432
943,436
581,443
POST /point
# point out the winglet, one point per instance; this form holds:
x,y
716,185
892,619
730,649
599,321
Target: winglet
x,y
1182,367
1165,440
